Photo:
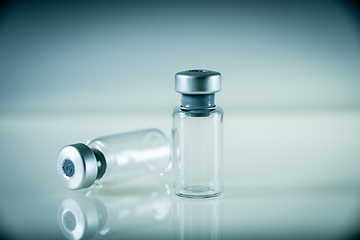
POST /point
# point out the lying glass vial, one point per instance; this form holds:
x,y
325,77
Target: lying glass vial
x,y
112,159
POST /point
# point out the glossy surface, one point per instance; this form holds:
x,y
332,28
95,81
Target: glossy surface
x,y
287,175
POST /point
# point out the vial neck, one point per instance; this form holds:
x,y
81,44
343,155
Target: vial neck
x,y
101,163
200,101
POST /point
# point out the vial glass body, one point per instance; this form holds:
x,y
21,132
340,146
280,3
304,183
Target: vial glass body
x,y
197,143
133,154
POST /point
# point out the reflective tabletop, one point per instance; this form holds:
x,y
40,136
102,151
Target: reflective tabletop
x,y
288,175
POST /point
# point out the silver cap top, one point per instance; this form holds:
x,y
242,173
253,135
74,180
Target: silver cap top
x,y
199,81
77,166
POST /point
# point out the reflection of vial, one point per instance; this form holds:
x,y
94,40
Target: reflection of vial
x,y
197,135
112,158
197,219
117,214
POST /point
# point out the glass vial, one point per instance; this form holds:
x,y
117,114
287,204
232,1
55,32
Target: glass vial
x,y
197,135
111,159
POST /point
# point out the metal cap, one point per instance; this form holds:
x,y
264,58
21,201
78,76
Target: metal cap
x,y
77,166
198,81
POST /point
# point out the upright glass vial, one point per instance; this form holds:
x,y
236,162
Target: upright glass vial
x,y
113,158
197,135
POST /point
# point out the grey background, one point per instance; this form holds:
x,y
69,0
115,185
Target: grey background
x,y
91,55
